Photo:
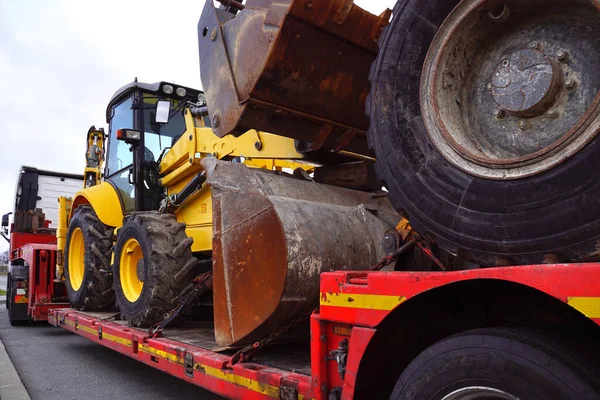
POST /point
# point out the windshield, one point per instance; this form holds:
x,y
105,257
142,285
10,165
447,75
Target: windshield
x,y
160,136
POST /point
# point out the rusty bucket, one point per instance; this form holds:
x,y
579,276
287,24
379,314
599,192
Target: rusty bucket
x,y
261,69
273,236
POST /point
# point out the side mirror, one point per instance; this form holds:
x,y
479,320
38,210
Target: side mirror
x,y
163,109
5,224
129,136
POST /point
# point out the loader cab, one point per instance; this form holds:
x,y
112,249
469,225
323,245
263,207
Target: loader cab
x,y
144,120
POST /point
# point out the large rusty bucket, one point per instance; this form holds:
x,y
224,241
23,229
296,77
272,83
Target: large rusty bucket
x,y
298,68
273,236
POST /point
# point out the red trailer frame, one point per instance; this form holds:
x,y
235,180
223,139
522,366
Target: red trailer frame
x,y
355,307
41,286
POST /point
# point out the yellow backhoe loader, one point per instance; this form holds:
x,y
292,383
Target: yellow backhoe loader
x,y
246,224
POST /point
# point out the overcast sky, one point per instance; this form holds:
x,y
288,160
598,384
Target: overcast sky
x,y
61,61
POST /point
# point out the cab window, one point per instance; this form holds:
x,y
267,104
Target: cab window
x,y
158,136
119,154
120,157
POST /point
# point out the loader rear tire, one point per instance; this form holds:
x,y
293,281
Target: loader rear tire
x,y
87,262
153,264
492,208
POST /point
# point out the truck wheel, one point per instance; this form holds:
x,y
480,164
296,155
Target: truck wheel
x,y
8,292
17,312
153,264
484,117
498,363
87,262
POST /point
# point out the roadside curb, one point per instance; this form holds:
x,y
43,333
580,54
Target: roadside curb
x,y
11,386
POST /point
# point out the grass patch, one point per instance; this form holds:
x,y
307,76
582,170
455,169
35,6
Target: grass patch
x,y
2,292
3,273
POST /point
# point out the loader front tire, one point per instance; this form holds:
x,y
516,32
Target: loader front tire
x,y
87,262
153,264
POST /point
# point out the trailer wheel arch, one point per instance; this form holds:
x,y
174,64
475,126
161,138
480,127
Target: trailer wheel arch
x,y
448,310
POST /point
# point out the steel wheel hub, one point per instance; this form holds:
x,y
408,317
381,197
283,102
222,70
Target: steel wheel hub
x,y
76,265
527,84
131,264
510,90
479,393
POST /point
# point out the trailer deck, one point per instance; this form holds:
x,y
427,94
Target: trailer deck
x,y
190,352
357,310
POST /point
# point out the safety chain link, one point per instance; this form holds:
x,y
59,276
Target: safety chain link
x,y
245,354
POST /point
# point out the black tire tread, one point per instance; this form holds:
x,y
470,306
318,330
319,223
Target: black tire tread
x,y
169,267
97,292
549,217
566,353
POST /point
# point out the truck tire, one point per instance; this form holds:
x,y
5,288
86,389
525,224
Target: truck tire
x,y
484,182
87,262
498,363
17,312
7,303
153,264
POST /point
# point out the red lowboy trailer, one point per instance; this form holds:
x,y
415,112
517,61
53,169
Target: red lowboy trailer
x,y
32,287
33,297
378,334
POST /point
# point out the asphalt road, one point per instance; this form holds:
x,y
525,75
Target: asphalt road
x,y
56,364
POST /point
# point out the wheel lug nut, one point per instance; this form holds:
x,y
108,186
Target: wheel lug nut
x,y
499,113
500,14
535,45
524,125
553,114
562,55
570,84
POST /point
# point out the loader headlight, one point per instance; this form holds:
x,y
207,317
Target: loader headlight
x,y
129,136
180,92
168,89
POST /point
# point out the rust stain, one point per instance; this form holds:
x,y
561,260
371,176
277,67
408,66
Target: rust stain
x,y
350,300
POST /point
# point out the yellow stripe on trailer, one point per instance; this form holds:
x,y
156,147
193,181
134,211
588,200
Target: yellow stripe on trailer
x,y
160,353
251,384
256,386
116,339
366,301
87,329
588,306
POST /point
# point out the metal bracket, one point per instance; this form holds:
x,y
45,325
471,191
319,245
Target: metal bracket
x,y
76,323
100,332
335,394
340,356
288,389
188,360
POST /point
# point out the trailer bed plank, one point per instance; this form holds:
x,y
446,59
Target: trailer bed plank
x,y
273,369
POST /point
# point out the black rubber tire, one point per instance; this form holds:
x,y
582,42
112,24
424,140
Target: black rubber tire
x,y
7,303
96,291
549,217
21,319
524,363
169,266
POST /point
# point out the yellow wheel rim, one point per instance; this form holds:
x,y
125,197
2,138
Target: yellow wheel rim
x,y
76,265
128,273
